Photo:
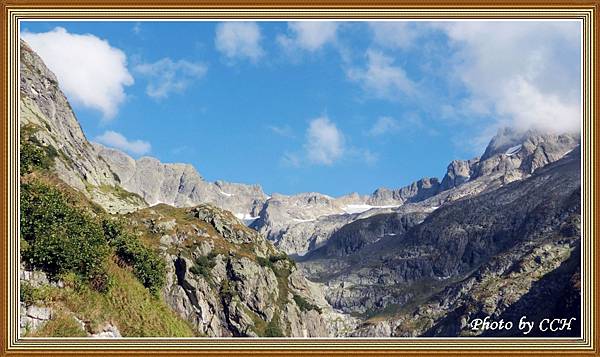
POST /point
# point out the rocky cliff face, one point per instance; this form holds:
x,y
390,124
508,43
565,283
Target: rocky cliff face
x,y
497,253
302,223
227,280
47,117
180,185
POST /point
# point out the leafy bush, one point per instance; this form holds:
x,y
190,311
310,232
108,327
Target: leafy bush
x,y
305,305
147,266
204,264
60,237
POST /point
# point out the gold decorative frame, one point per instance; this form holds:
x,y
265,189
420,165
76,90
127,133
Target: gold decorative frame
x,y
14,11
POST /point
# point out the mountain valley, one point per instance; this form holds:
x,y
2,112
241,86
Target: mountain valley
x,y
498,235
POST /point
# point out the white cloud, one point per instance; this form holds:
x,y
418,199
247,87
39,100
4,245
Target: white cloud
x,y
381,78
324,142
166,76
118,141
409,124
309,35
526,73
394,34
239,40
283,131
384,125
90,71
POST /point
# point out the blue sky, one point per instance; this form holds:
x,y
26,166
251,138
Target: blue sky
x,y
332,107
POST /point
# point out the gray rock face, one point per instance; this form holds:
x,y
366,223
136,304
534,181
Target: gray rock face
x,y
248,289
46,113
44,105
415,192
108,331
32,317
458,172
180,185
301,223
489,230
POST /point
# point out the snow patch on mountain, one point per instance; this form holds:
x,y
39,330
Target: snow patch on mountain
x,y
513,150
225,193
353,209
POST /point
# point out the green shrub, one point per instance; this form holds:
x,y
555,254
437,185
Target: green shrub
x,y
227,291
60,237
33,155
147,265
204,264
27,293
270,262
265,262
305,305
273,329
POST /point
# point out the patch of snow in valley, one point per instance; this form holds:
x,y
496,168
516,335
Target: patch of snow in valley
x,y
246,218
304,220
352,209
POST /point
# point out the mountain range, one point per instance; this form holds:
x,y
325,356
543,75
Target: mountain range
x,y
497,235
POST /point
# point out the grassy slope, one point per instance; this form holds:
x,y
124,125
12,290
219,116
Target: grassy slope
x,y
127,304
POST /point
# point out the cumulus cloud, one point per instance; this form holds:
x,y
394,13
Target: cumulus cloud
x,y
325,145
239,40
118,141
525,73
309,35
166,76
324,142
394,34
381,78
90,71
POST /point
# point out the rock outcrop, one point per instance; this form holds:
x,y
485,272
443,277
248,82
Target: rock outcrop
x,y
225,279
46,116
180,185
513,237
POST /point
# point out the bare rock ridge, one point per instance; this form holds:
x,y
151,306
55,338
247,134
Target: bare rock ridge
x,y
225,279
302,222
506,253
46,115
180,185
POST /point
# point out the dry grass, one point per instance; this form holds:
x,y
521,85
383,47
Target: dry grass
x,y
127,304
